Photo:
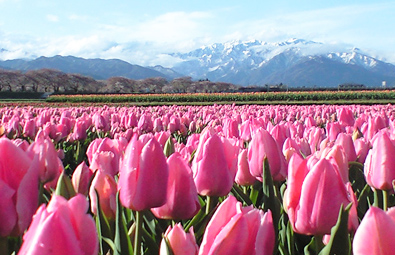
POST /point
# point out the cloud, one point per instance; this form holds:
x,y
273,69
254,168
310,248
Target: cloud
x,y
75,17
173,30
144,41
52,18
329,24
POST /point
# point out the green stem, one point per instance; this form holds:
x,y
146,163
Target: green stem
x,y
376,199
4,246
385,200
208,204
137,238
318,243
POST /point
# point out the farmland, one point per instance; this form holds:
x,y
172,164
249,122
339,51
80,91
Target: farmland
x,y
313,177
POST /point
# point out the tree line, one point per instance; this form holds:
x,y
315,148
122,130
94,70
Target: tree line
x,y
54,81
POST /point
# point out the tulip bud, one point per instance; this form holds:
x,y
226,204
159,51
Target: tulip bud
x,y
182,198
143,175
178,241
61,227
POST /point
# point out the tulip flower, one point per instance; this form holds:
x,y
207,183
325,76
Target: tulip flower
x,y
100,123
361,149
143,175
231,128
338,154
345,116
29,128
106,187
264,146
145,123
81,178
345,140
180,242
314,195
212,168
376,233
237,230
243,175
104,154
79,130
182,197
61,227
18,188
374,125
379,168
50,164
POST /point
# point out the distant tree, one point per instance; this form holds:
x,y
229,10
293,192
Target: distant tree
x,y
180,85
119,85
152,85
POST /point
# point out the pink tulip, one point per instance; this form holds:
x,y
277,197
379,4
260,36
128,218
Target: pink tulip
x,y
18,188
376,233
361,149
100,123
182,198
314,136
211,168
145,123
158,126
379,168
81,178
79,130
143,175
231,128
237,230
106,187
29,128
345,116
339,156
375,124
347,143
61,227
314,195
49,161
180,242
264,146
104,154
333,129
243,175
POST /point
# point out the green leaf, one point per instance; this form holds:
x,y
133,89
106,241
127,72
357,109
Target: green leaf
x,y
339,243
310,248
169,147
270,200
64,187
103,228
240,195
168,250
122,241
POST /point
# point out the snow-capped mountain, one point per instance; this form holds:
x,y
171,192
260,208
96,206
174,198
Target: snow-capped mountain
x,y
295,62
259,63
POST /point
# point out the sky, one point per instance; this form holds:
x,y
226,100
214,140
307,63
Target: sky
x,y
143,32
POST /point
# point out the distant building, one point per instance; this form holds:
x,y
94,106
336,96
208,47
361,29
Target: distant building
x,y
351,86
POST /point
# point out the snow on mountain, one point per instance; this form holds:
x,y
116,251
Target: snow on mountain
x,y
235,61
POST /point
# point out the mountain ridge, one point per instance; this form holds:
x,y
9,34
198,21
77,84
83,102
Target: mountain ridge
x,y
295,62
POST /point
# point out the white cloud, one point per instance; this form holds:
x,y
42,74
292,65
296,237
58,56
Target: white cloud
x,y
144,41
52,18
75,17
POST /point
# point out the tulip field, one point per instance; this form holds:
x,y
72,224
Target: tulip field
x,y
199,180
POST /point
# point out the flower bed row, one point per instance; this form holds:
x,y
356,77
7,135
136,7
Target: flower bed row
x,y
220,179
229,97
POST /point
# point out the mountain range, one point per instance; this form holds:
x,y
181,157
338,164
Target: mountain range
x,y
295,62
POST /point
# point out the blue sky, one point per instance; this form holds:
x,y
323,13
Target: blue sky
x,y
141,31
